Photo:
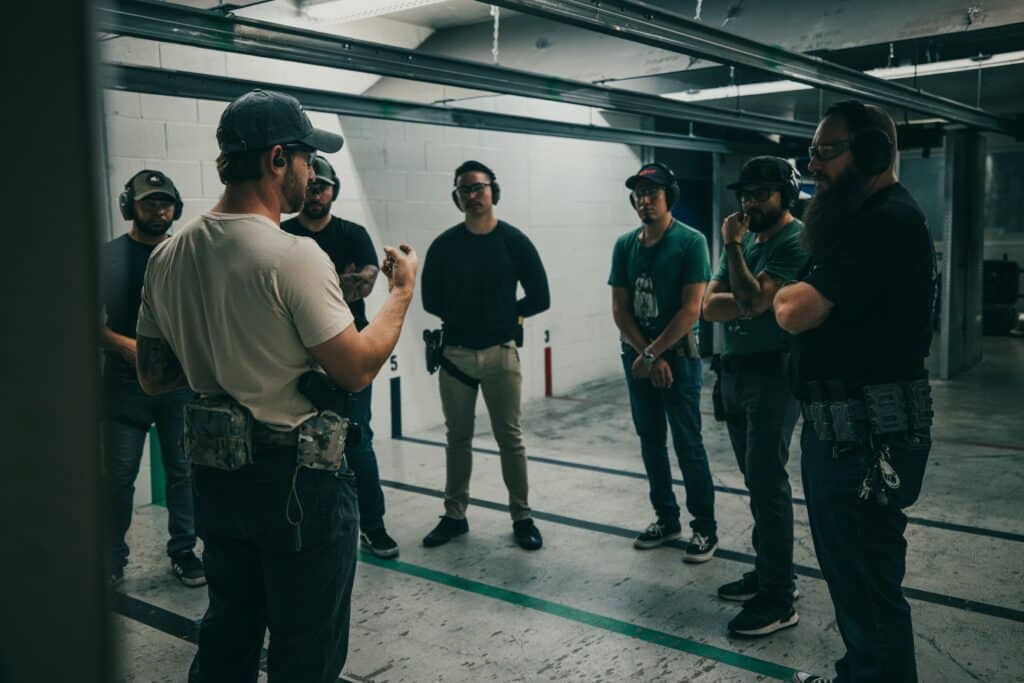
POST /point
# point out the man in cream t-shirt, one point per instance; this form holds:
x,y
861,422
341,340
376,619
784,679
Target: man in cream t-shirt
x,y
235,306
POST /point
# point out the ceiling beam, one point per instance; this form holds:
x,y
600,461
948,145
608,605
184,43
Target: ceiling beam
x,y
650,25
175,24
155,81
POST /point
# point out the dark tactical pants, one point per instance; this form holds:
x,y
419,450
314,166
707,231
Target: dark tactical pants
x,y
761,413
680,406
129,414
363,462
257,580
862,553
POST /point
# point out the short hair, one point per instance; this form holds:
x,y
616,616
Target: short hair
x,y
238,167
470,166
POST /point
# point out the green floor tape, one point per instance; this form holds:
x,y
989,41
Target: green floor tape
x,y
753,664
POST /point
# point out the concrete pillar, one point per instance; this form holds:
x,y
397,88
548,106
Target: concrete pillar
x,y
959,344
53,583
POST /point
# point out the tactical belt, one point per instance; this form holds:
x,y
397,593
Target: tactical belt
x,y
454,371
885,409
265,436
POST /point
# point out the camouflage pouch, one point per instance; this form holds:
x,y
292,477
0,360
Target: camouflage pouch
x,y
322,441
218,433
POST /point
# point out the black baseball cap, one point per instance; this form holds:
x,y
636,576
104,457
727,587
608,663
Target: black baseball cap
x,y
149,183
324,171
260,119
655,173
764,170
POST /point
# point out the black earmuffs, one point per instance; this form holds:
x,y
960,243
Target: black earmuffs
x,y
870,146
126,201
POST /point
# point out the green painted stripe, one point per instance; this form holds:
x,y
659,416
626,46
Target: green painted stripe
x,y
157,476
753,664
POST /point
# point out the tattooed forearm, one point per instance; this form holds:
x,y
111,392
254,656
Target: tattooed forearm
x,y
158,369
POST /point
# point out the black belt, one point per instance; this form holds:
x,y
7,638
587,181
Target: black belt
x,y
263,435
753,362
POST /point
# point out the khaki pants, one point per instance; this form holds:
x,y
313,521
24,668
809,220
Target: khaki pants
x,y
497,368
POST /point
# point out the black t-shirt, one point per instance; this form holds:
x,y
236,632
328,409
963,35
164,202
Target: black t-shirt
x,y
882,281
470,282
348,244
124,267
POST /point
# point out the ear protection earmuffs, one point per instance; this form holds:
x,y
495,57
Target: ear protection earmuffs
x,y
671,191
870,146
790,190
495,191
126,201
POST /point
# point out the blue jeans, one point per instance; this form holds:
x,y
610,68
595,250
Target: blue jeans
x,y
264,573
363,462
680,404
862,553
130,413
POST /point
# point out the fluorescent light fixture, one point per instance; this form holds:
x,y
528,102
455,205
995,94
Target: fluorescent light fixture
x,y
350,10
888,74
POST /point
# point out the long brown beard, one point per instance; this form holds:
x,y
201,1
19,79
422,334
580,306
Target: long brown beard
x,y
829,212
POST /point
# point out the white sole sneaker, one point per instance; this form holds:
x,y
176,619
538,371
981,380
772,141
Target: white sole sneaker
x,y
748,596
385,554
768,629
703,557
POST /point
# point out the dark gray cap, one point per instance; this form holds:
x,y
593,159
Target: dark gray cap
x,y
260,119
325,172
765,170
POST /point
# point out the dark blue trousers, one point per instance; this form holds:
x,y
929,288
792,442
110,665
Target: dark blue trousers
x,y
129,414
862,553
363,462
679,406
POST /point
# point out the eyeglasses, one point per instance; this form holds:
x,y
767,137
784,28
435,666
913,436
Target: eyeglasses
x,y
467,190
828,151
758,194
642,192
308,154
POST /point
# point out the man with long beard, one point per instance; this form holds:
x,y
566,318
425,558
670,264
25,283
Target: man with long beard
x,y
151,201
863,320
351,250
762,253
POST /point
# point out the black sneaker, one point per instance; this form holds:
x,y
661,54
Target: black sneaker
x,y
527,535
762,616
801,677
189,569
379,543
658,533
744,589
700,549
447,529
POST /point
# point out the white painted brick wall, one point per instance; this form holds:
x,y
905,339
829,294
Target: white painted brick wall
x,y
567,196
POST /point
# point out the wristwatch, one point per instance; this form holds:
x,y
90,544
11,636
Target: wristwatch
x,y
649,358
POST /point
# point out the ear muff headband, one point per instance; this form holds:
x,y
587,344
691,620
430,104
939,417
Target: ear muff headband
x,y
126,200
671,190
870,146
495,192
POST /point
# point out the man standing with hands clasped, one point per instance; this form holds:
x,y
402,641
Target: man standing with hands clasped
x,y
658,275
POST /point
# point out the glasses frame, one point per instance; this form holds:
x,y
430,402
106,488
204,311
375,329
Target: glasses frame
x,y
471,189
838,147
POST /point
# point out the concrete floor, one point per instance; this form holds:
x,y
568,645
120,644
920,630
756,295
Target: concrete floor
x,y
588,607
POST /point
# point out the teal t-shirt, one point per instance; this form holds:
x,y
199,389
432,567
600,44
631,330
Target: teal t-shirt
x,y
783,258
655,275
